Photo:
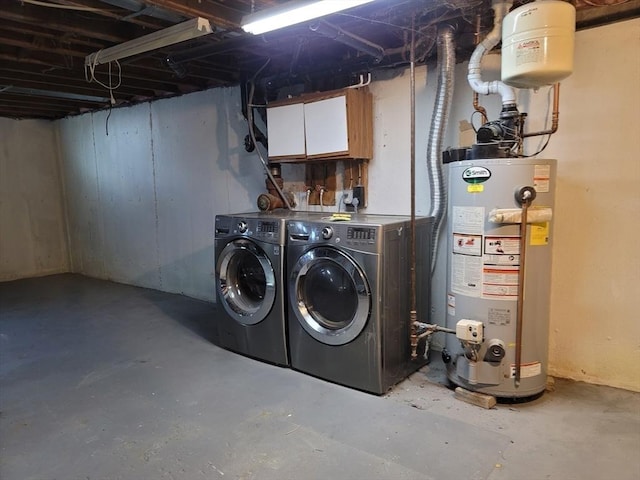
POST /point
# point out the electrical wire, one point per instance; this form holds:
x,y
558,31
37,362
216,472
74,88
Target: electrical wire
x,y
106,123
471,121
541,148
91,68
544,127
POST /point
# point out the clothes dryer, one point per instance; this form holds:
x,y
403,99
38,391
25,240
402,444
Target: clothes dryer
x,y
249,269
349,298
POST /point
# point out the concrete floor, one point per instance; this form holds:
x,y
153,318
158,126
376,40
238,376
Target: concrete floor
x,y
101,381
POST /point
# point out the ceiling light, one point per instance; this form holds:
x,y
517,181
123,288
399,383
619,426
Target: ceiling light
x,y
196,27
294,12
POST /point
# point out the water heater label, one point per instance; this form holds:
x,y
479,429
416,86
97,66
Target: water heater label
x,y
466,275
539,234
476,174
541,178
500,282
451,305
469,220
466,262
499,316
527,370
467,244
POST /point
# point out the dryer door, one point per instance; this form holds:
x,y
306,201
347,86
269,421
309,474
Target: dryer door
x,y
246,281
330,295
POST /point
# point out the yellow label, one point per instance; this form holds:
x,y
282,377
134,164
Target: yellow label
x,y
539,234
475,188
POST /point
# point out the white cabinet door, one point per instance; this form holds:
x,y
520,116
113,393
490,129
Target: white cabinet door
x,y
286,130
325,123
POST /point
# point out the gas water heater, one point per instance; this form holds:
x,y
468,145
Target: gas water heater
x,y
500,215
499,275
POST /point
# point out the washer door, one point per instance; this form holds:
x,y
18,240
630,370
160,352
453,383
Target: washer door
x,y
246,281
329,295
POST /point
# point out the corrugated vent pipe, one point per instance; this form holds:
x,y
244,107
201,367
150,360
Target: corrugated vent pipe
x,y
508,94
442,107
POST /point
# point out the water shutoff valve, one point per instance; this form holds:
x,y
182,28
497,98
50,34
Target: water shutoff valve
x,y
470,331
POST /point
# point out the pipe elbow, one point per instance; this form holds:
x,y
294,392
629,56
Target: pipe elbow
x,y
477,85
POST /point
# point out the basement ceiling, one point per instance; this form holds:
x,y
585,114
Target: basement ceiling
x,y
43,45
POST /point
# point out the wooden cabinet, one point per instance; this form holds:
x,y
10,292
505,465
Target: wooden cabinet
x,y
329,125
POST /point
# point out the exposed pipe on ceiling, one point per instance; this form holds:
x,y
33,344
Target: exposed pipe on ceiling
x,y
361,44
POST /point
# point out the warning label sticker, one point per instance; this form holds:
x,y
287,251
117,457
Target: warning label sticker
x,y
527,370
539,234
467,244
466,264
500,282
501,245
541,178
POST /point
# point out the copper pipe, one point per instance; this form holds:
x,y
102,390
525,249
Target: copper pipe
x,y
555,116
413,316
479,108
521,276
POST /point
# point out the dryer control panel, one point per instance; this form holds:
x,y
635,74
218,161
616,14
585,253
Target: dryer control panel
x,y
363,234
264,230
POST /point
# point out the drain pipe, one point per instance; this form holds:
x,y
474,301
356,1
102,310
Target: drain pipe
x,y
441,110
508,94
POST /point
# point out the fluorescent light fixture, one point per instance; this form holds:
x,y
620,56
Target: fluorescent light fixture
x,y
196,27
294,12
51,93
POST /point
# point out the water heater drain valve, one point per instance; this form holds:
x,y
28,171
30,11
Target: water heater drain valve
x,y
470,331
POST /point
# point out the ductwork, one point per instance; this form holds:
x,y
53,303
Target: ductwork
x,y
442,107
508,94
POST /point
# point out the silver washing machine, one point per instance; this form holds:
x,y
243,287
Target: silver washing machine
x,y
349,298
249,260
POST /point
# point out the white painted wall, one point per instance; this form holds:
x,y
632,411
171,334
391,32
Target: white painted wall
x,y
32,223
142,200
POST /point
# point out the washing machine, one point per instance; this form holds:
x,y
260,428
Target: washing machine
x,y
249,269
349,298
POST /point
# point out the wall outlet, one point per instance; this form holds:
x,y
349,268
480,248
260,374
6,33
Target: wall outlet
x,y
358,192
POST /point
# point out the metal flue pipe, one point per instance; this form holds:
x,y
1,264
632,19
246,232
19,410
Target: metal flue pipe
x,y
441,110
